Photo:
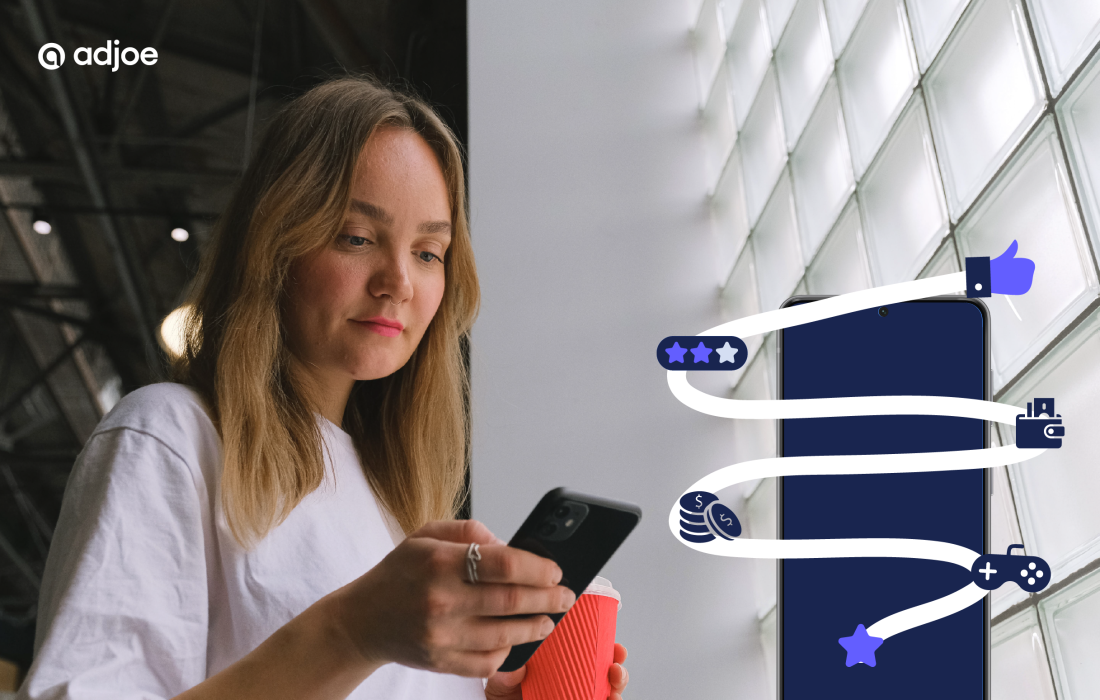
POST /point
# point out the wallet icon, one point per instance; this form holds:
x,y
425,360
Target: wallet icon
x,y
1044,430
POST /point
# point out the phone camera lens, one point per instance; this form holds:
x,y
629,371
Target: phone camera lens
x,y
882,311
548,529
561,512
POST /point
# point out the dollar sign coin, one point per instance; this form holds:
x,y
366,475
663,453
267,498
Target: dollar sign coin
x,y
721,521
697,501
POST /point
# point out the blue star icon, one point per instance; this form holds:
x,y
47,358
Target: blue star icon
x,y
861,647
702,353
676,353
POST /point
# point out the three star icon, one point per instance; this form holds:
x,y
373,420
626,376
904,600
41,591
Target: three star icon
x,y
701,353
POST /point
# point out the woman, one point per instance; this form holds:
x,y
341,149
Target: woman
x,y
241,533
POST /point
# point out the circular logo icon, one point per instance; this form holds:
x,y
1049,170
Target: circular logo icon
x,y
51,56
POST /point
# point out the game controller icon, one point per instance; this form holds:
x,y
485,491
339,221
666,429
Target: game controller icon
x,y
1043,430
991,570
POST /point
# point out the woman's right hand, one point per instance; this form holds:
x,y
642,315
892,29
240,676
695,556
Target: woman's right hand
x,y
416,608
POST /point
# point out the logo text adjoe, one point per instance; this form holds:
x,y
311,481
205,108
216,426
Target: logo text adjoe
x,y
51,56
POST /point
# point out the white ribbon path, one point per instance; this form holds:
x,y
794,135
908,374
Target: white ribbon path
x,y
850,464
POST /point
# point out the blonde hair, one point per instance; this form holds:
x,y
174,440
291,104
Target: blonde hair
x,y
409,428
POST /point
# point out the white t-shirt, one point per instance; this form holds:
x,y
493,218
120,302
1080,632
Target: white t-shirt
x,y
146,593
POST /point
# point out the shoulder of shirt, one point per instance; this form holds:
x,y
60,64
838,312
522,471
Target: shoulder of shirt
x,y
174,414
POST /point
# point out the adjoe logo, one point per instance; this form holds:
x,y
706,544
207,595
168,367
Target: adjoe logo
x,y
51,56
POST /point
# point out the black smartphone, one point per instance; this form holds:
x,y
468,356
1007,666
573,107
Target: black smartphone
x,y
938,346
578,532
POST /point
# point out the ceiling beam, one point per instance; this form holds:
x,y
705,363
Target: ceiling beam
x,y
223,111
149,212
162,177
33,290
20,562
44,25
143,73
334,28
42,376
27,307
38,456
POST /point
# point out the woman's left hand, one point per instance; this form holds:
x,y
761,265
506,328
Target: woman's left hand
x,y
505,685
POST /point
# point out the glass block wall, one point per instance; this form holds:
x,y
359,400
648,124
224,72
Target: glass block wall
x,y
857,143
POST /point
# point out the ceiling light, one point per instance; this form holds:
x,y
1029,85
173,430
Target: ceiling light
x,y
172,330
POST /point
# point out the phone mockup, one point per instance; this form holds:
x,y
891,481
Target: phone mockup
x,y
938,346
578,532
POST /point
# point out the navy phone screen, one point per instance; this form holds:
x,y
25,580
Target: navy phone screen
x,y
926,347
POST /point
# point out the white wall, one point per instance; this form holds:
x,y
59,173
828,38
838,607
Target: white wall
x,y
592,244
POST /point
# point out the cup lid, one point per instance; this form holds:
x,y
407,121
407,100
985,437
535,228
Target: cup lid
x,y
601,586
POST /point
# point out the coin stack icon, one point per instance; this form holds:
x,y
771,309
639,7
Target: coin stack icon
x,y
693,526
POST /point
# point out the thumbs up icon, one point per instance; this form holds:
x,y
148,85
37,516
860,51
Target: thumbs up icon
x,y
1004,274
1009,274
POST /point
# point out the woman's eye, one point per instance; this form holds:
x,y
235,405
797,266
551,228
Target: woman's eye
x,y
353,241
432,255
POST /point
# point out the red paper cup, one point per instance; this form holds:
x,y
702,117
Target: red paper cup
x,y
573,662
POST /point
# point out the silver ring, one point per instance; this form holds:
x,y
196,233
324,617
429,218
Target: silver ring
x,y
473,556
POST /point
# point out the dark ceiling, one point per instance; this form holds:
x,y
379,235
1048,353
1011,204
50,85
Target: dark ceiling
x,y
114,160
